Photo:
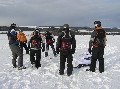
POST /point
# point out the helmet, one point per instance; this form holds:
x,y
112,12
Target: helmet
x,y
97,23
65,26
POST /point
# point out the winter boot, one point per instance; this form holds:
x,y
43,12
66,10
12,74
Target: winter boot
x,y
33,65
46,54
61,72
14,66
20,68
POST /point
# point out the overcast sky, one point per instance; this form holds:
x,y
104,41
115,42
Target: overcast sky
x,y
59,12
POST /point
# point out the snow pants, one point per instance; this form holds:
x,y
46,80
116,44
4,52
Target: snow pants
x,y
16,52
66,55
47,48
97,53
35,57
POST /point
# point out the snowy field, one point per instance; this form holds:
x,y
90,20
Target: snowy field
x,y
47,77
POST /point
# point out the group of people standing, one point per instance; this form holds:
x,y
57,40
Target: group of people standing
x,y
65,46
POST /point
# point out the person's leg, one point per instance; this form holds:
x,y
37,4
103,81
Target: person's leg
x,y
26,48
62,63
94,59
14,59
17,52
32,56
54,52
69,64
101,60
21,46
46,52
38,58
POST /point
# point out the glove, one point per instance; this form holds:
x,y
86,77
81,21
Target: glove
x,y
73,51
89,50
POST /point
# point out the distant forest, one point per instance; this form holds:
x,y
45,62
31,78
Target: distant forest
x,y
56,31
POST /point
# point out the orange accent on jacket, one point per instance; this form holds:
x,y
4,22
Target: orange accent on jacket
x,y
98,28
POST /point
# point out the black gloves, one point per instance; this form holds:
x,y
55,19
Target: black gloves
x,y
89,50
73,51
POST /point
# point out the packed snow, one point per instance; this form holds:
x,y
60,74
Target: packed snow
x,y
47,77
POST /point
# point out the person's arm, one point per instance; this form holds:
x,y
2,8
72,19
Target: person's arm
x,y
105,39
58,43
73,43
91,41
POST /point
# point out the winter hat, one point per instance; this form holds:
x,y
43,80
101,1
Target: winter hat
x,y
65,26
97,23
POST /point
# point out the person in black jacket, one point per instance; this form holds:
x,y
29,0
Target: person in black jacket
x,y
49,42
66,45
35,49
97,44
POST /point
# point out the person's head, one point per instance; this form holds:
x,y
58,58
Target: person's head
x,y
97,24
36,32
47,32
13,26
65,27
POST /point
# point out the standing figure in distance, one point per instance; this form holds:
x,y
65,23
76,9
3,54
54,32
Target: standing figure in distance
x,y
49,42
97,44
66,45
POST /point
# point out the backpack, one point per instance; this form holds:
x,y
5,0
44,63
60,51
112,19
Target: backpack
x,y
22,37
99,38
14,34
12,37
35,43
66,41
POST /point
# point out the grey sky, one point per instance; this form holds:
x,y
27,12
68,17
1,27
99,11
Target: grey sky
x,y
58,12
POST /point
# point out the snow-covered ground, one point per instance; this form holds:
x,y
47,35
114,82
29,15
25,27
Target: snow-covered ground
x,y
47,77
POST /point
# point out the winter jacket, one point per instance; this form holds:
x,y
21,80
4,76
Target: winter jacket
x,y
49,38
38,39
93,36
21,37
12,39
59,41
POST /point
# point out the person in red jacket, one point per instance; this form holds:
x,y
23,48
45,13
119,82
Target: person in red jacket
x,y
49,42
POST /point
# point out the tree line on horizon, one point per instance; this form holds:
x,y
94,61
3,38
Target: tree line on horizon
x,y
56,31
